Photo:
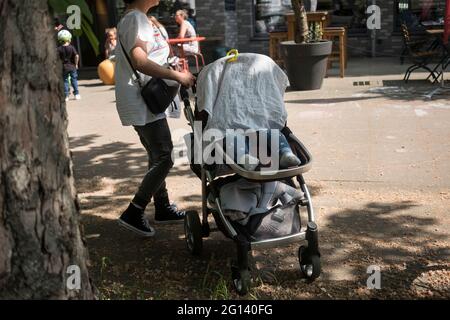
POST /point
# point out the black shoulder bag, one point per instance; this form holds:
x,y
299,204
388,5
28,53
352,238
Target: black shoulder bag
x,y
157,94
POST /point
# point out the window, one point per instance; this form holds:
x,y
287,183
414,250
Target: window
x,y
270,15
428,12
347,13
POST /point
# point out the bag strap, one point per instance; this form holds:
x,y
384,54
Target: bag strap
x,y
138,77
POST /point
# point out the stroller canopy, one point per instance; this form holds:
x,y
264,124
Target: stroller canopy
x,y
245,94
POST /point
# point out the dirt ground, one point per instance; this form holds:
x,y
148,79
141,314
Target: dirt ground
x,y
396,231
380,188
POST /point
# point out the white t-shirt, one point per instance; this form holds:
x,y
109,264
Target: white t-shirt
x,y
190,33
130,105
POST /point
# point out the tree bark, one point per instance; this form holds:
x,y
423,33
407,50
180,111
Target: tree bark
x,y
40,232
301,21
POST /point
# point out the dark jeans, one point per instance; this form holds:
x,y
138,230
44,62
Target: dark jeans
x,y
156,139
73,79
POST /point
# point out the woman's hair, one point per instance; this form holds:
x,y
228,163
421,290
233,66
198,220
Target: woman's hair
x,y
183,13
155,21
128,1
109,30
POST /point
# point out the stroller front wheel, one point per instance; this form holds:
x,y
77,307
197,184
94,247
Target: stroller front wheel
x,y
193,232
241,281
310,265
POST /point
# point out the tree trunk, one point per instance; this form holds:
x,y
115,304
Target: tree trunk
x,y
301,21
40,232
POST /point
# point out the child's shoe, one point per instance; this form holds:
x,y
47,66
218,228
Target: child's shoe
x,y
288,160
77,97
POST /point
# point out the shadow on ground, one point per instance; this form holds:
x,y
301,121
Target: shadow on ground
x,y
117,160
383,234
125,266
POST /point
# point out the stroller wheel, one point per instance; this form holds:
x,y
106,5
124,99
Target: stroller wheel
x,y
309,263
193,232
241,280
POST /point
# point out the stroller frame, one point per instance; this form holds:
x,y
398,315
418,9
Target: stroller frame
x,y
195,231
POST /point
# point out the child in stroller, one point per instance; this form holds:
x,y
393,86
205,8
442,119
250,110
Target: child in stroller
x,y
239,147
258,207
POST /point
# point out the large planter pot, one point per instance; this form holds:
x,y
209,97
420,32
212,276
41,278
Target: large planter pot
x,y
306,63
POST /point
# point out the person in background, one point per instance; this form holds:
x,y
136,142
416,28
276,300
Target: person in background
x,y
186,31
70,59
427,6
111,42
191,18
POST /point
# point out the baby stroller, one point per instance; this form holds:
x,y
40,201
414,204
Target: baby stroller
x,y
285,216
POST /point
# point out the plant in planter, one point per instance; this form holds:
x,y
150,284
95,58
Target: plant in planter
x,y
306,58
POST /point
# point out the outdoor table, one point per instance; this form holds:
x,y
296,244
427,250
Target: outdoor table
x,y
437,33
179,43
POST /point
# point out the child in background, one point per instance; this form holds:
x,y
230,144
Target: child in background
x,y
111,42
70,58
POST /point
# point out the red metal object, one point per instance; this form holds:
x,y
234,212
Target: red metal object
x,y
447,22
184,40
180,41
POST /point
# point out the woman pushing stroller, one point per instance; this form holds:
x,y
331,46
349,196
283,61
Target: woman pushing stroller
x,y
142,43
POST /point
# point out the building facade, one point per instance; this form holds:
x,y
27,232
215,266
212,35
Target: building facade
x,y
245,24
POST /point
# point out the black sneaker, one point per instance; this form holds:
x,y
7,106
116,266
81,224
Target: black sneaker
x,y
168,213
133,219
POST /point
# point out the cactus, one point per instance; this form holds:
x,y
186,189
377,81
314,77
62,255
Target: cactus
x,y
304,32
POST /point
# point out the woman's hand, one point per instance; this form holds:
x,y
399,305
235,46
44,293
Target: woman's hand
x,y
186,79
148,67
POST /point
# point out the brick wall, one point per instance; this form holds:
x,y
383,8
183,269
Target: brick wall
x,y
247,43
236,27
210,17
231,29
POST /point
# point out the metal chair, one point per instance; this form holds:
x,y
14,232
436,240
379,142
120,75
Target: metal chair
x,y
417,31
196,56
419,57
444,63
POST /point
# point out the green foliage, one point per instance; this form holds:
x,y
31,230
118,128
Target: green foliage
x,y
165,7
59,7
315,32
